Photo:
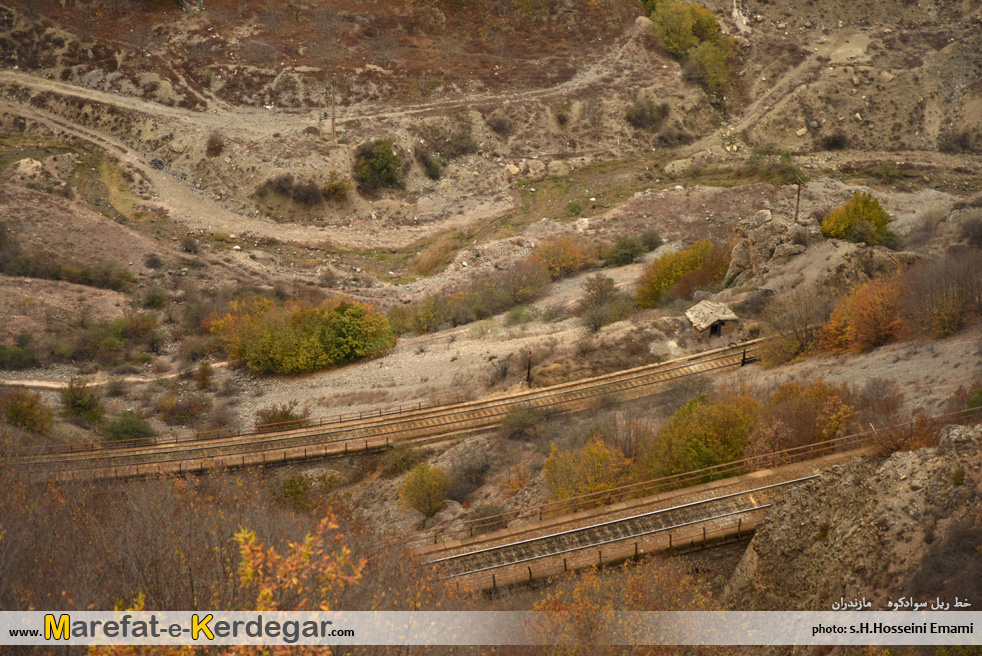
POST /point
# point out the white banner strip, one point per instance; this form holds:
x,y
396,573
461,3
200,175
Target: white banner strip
x,y
491,628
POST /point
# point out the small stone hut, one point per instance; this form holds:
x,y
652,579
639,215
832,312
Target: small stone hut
x,y
718,318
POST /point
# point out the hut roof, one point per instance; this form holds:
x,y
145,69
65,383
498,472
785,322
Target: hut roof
x,y
705,313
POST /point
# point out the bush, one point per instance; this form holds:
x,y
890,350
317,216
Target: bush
x,y
487,511
625,250
425,489
336,189
377,165
116,386
272,417
561,255
862,219
307,194
866,318
203,376
665,272
298,338
651,239
523,422
574,207
886,172
602,303
179,410
525,280
835,141
709,64
794,320
400,459
155,298
689,32
468,476
127,426
296,492
594,468
82,401
500,125
26,410
15,357
216,144
432,165
938,295
646,115
702,433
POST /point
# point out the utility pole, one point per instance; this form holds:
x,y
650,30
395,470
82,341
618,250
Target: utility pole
x,y
334,77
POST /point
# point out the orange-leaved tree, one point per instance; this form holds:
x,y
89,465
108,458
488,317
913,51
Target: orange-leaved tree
x,y
867,317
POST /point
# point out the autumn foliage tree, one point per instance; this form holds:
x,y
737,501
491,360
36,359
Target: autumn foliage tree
x,y
596,467
297,337
862,219
867,317
703,262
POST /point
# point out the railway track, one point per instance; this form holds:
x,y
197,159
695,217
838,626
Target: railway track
x,y
372,433
681,527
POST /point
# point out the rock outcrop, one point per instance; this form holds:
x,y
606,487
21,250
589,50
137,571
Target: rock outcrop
x,y
908,525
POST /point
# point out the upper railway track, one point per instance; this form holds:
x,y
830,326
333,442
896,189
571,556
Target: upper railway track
x,y
336,435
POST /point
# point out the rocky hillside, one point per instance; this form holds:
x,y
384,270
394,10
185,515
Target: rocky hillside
x,y
881,528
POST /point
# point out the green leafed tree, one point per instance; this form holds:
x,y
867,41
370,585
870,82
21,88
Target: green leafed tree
x,y
425,489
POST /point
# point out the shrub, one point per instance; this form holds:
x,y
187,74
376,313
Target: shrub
x,y
400,459
116,386
81,401
487,511
377,165
523,422
468,476
216,144
938,295
594,468
336,188
179,410
188,244
296,492
835,141
525,280
272,417
16,357
298,338
425,489
432,165
127,426
574,207
625,250
862,219
561,255
26,410
665,272
646,115
651,239
886,172
702,433
500,125
307,194
795,320
203,376
602,303
155,298
709,63
867,317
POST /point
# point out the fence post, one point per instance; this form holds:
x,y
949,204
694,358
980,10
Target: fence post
x,y
600,558
739,526
565,569
494,583
530,573
704,536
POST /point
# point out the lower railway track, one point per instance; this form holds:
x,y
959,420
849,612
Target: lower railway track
x,y
329,438
677,521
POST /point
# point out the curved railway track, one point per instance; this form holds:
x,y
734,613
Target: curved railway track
x,y
164,455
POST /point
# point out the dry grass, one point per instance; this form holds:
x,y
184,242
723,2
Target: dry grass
x,y
436,256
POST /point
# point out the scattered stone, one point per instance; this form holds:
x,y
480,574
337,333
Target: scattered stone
x,y
802,132
236,248
513,170
886,76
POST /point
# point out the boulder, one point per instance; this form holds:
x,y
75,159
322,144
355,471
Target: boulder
x,y
679,167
